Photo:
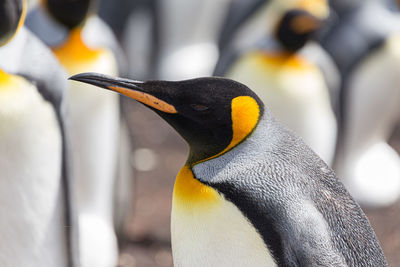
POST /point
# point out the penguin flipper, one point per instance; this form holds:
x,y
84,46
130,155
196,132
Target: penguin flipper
x,y
239,12
51,81
124,182
225,62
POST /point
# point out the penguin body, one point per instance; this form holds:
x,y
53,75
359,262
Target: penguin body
x,y
369,167
88,44
31,145
94,119
380,98
293,87
197,240
248,181
268,184
38,226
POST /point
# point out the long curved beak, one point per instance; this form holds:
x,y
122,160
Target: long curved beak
x,y
130,88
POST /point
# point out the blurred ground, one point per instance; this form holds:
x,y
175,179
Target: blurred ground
x,y
159,155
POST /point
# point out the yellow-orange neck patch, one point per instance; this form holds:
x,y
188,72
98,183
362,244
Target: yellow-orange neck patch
x,y
189,193
10,82
5,78
74,50
282,60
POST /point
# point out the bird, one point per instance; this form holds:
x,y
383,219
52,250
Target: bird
x,y
289,82
367,55
38,221
251,192
247,22
87,44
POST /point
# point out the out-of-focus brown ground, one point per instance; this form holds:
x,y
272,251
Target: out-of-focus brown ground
x,y
149,228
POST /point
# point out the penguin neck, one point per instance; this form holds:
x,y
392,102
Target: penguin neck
x,y
245,114
8,82
5,78
280,57
75,51
208,229
190,194
252,150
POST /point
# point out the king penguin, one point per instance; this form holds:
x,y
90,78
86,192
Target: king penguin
x,y
251,192
368,56
247,22
37,222
289,82
94,125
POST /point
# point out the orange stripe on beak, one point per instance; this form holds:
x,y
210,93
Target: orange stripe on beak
x,y
147,99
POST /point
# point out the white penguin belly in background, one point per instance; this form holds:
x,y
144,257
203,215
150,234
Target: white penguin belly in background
x,y
94,130
32,224
365,160
95,122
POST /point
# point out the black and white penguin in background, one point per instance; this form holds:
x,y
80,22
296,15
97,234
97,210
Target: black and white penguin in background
x,y
38,220
281,71
82,41
364,42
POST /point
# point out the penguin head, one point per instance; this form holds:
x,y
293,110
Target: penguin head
x,y
69,13
295,28
212,114
12,16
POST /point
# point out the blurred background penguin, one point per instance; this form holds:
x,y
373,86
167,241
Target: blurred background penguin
x,y
38,221
364,42
287,80
101,146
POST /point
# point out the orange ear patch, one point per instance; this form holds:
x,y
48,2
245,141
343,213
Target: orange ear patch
x,y
245,115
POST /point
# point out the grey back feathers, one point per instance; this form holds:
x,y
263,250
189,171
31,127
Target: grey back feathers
x,y
294,200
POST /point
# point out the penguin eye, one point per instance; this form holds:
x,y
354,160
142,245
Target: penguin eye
x,y
198,107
